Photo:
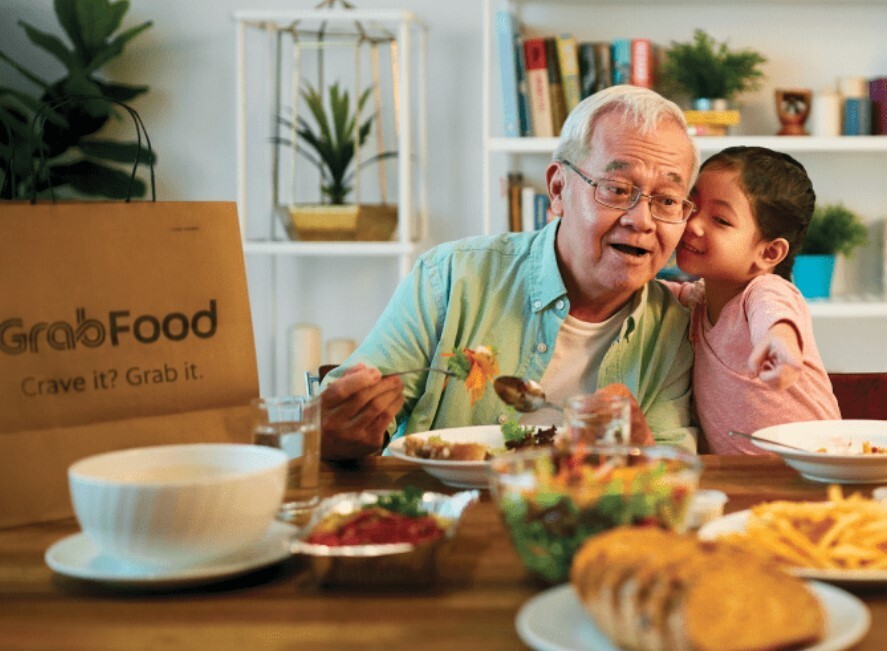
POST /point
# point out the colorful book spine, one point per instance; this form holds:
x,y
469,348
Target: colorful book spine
x,y
878,97
555,86
506,32
515,185
642,62
857,117
569,63
524,113
541,212
536,61
621,61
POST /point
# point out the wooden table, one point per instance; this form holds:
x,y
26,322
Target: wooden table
x,y
471,606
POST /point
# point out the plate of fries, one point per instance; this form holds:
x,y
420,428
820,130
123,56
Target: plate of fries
x,y
835,451
842,540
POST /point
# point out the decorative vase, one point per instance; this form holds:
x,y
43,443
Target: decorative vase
x,y
812,275
342,223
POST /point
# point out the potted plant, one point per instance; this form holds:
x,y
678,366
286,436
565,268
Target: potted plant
x,y
63,153
331,144
834,229
707,70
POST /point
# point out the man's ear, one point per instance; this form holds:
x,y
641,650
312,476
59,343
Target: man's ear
x,y
772,253
554,181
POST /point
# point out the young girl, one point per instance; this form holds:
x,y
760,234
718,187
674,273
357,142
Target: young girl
x,y
756,363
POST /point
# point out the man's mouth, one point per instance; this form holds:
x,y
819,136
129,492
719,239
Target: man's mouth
x,y
630,250
691,249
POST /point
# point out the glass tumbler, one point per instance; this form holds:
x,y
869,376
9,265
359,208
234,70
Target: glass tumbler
x,y
292,424
595,418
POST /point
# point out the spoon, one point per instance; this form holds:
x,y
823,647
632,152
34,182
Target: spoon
x,y
521,393
752,437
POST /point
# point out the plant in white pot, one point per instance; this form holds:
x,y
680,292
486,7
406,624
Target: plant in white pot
x,y
332,144
709,73
834,229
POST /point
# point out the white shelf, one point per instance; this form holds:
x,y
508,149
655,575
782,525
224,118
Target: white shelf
x,y
370,249
812,144
849,307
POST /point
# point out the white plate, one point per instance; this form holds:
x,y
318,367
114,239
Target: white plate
x,y
554,620
843,461
77,556
460,474
736,522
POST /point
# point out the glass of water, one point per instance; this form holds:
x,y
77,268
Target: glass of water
x,y
598,418
292,424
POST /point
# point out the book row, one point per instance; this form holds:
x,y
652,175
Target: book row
x,y
543,78
528,210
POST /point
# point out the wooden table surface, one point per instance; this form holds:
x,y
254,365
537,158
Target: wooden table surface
x,y
472,605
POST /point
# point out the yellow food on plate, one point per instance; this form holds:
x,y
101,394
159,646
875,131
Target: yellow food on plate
x,y
844,533
647,588
436,448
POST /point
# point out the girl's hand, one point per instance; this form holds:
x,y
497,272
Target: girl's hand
x,y
777,360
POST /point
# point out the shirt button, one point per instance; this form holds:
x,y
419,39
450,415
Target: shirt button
x,y
559,305
502,419
541,347
537,305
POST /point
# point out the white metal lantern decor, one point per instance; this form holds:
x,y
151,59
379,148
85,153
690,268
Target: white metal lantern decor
x,y
341,139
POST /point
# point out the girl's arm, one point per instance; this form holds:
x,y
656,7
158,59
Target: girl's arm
x,y
777,358
687,293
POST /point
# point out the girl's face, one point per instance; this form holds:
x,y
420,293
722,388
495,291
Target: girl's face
x,y
722,241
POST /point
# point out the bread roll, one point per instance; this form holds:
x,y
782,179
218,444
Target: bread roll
x,y
648,589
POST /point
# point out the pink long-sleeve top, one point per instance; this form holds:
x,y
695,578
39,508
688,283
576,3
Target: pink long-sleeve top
x,y
727,396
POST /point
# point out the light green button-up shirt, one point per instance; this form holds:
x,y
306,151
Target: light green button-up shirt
x,y
506,291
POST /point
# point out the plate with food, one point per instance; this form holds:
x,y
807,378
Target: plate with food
x,y
841,540
460,456
646,588
832,451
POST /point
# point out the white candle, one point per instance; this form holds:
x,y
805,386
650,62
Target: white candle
x,y
853,87
338,350
304,355
825,113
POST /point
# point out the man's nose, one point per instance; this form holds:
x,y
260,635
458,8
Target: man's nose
x,y
639,217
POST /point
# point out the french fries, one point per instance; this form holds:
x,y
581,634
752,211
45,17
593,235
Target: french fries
x,y
843,533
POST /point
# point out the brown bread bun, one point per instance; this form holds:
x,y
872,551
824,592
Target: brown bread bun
x,y
648,589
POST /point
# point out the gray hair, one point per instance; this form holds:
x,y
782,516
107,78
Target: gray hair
x,y
641,108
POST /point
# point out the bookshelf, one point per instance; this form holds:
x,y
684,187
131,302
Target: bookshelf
x,y
841,167
291,280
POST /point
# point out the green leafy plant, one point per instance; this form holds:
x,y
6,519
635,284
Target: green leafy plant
x,y
705,68
331,139
834,229
58,149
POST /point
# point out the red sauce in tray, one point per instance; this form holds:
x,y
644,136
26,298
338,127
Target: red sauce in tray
x,y
377,526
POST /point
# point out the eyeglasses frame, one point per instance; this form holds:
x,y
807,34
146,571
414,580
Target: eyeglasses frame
x,y
636,195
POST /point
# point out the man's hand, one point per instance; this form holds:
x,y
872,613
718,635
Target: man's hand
x,y
356,410
777,359
640,431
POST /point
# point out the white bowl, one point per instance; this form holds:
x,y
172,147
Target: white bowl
x,y
175,505
834,449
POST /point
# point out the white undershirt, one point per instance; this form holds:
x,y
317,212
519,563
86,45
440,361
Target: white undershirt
x,y
578,353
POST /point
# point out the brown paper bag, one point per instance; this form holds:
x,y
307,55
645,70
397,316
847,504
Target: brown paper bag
x,y
121,325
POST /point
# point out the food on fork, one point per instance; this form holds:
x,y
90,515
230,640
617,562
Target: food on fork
x,y
842,533
477,367
647,588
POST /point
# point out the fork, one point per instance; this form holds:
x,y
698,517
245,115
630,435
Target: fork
x,y
422,370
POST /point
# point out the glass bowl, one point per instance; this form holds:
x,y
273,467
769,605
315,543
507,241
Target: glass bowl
x,y
551,500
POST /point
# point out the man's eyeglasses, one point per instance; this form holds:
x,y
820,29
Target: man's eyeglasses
x,y
625,196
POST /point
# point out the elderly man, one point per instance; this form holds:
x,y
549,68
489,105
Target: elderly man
x,y
573,306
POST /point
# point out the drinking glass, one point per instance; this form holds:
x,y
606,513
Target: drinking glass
x,y
596,418
292,424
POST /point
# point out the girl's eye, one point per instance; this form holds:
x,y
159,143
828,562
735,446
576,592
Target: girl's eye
x,y
720,220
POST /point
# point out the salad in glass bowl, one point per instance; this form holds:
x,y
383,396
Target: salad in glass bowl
x,y
553,499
